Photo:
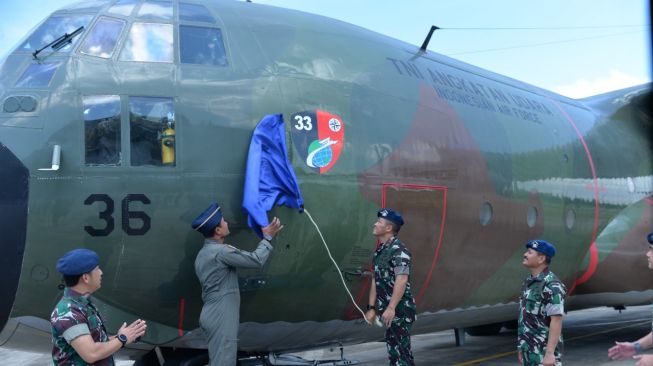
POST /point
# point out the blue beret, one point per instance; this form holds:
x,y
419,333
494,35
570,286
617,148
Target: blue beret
x,y
77,262
649,238
208,220
391,215
543,247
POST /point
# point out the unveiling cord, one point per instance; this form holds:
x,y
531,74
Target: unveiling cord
x,y
335,264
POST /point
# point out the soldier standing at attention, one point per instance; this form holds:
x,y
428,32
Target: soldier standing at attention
x,y
390,293
215,266
541,307
78,333
622,350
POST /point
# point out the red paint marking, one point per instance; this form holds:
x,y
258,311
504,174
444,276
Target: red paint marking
x,y
182,305
594,262
422,291
427,280
600,188
365,288
648,200
594,255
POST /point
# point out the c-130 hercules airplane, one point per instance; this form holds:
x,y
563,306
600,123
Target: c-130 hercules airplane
x,y
138,113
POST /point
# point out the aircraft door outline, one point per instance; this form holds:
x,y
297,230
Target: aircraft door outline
x,y
441,195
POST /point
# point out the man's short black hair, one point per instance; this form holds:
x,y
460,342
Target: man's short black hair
x,y
209,233
71,280
395,227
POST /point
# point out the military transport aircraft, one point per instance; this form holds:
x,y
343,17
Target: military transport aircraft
x,y
121,120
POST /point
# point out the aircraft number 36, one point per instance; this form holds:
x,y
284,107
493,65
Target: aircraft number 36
x,y
127,216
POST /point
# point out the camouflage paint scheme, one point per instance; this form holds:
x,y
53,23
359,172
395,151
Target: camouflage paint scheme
x,y
476,162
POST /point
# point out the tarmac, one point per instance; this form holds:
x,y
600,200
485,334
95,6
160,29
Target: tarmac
x,y
588,334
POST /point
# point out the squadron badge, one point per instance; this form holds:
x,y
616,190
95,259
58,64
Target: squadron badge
x,y
318,137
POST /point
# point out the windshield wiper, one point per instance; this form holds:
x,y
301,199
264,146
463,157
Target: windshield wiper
x,y
60,42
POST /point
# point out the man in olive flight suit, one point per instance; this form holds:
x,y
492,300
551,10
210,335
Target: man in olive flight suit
x,y
390,292
541,308
215,266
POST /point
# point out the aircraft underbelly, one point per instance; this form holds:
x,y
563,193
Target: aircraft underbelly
x,y
13,226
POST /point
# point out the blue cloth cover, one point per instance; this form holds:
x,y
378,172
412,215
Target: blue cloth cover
x,y
269,179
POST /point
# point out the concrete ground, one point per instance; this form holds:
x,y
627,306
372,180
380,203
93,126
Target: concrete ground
x,y
588,335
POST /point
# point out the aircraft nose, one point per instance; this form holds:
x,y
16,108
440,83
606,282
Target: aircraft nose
x,y
13,227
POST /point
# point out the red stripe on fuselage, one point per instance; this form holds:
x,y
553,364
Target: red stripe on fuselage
x,y
594,254
182,305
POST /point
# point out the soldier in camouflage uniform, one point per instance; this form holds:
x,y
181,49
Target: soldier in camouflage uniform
x,y
390,292
215,266
78,333
623,350
541,308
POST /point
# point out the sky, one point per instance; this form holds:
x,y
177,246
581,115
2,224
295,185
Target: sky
x,y
576,48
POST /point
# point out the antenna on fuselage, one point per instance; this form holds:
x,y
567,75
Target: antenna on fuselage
x,y
428,38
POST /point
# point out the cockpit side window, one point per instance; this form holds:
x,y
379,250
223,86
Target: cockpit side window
x,y
53,28
152,131
195,13
102,130
37,75
201,45
160,10
149,42
102,39
123,7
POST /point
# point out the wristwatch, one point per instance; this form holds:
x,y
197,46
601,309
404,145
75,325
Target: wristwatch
x,y
123,339
371,307
638,347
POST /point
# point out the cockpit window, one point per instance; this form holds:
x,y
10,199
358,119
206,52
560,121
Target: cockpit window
x,y
37,75
148,42
102,39
87,5
123,7
195,13
54,28
152,131
102,129
156,10
201,45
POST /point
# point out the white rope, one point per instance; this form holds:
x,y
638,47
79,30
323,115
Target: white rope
x,y
335,264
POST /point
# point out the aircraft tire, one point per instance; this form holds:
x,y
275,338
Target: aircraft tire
x,y
484,330
512,325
